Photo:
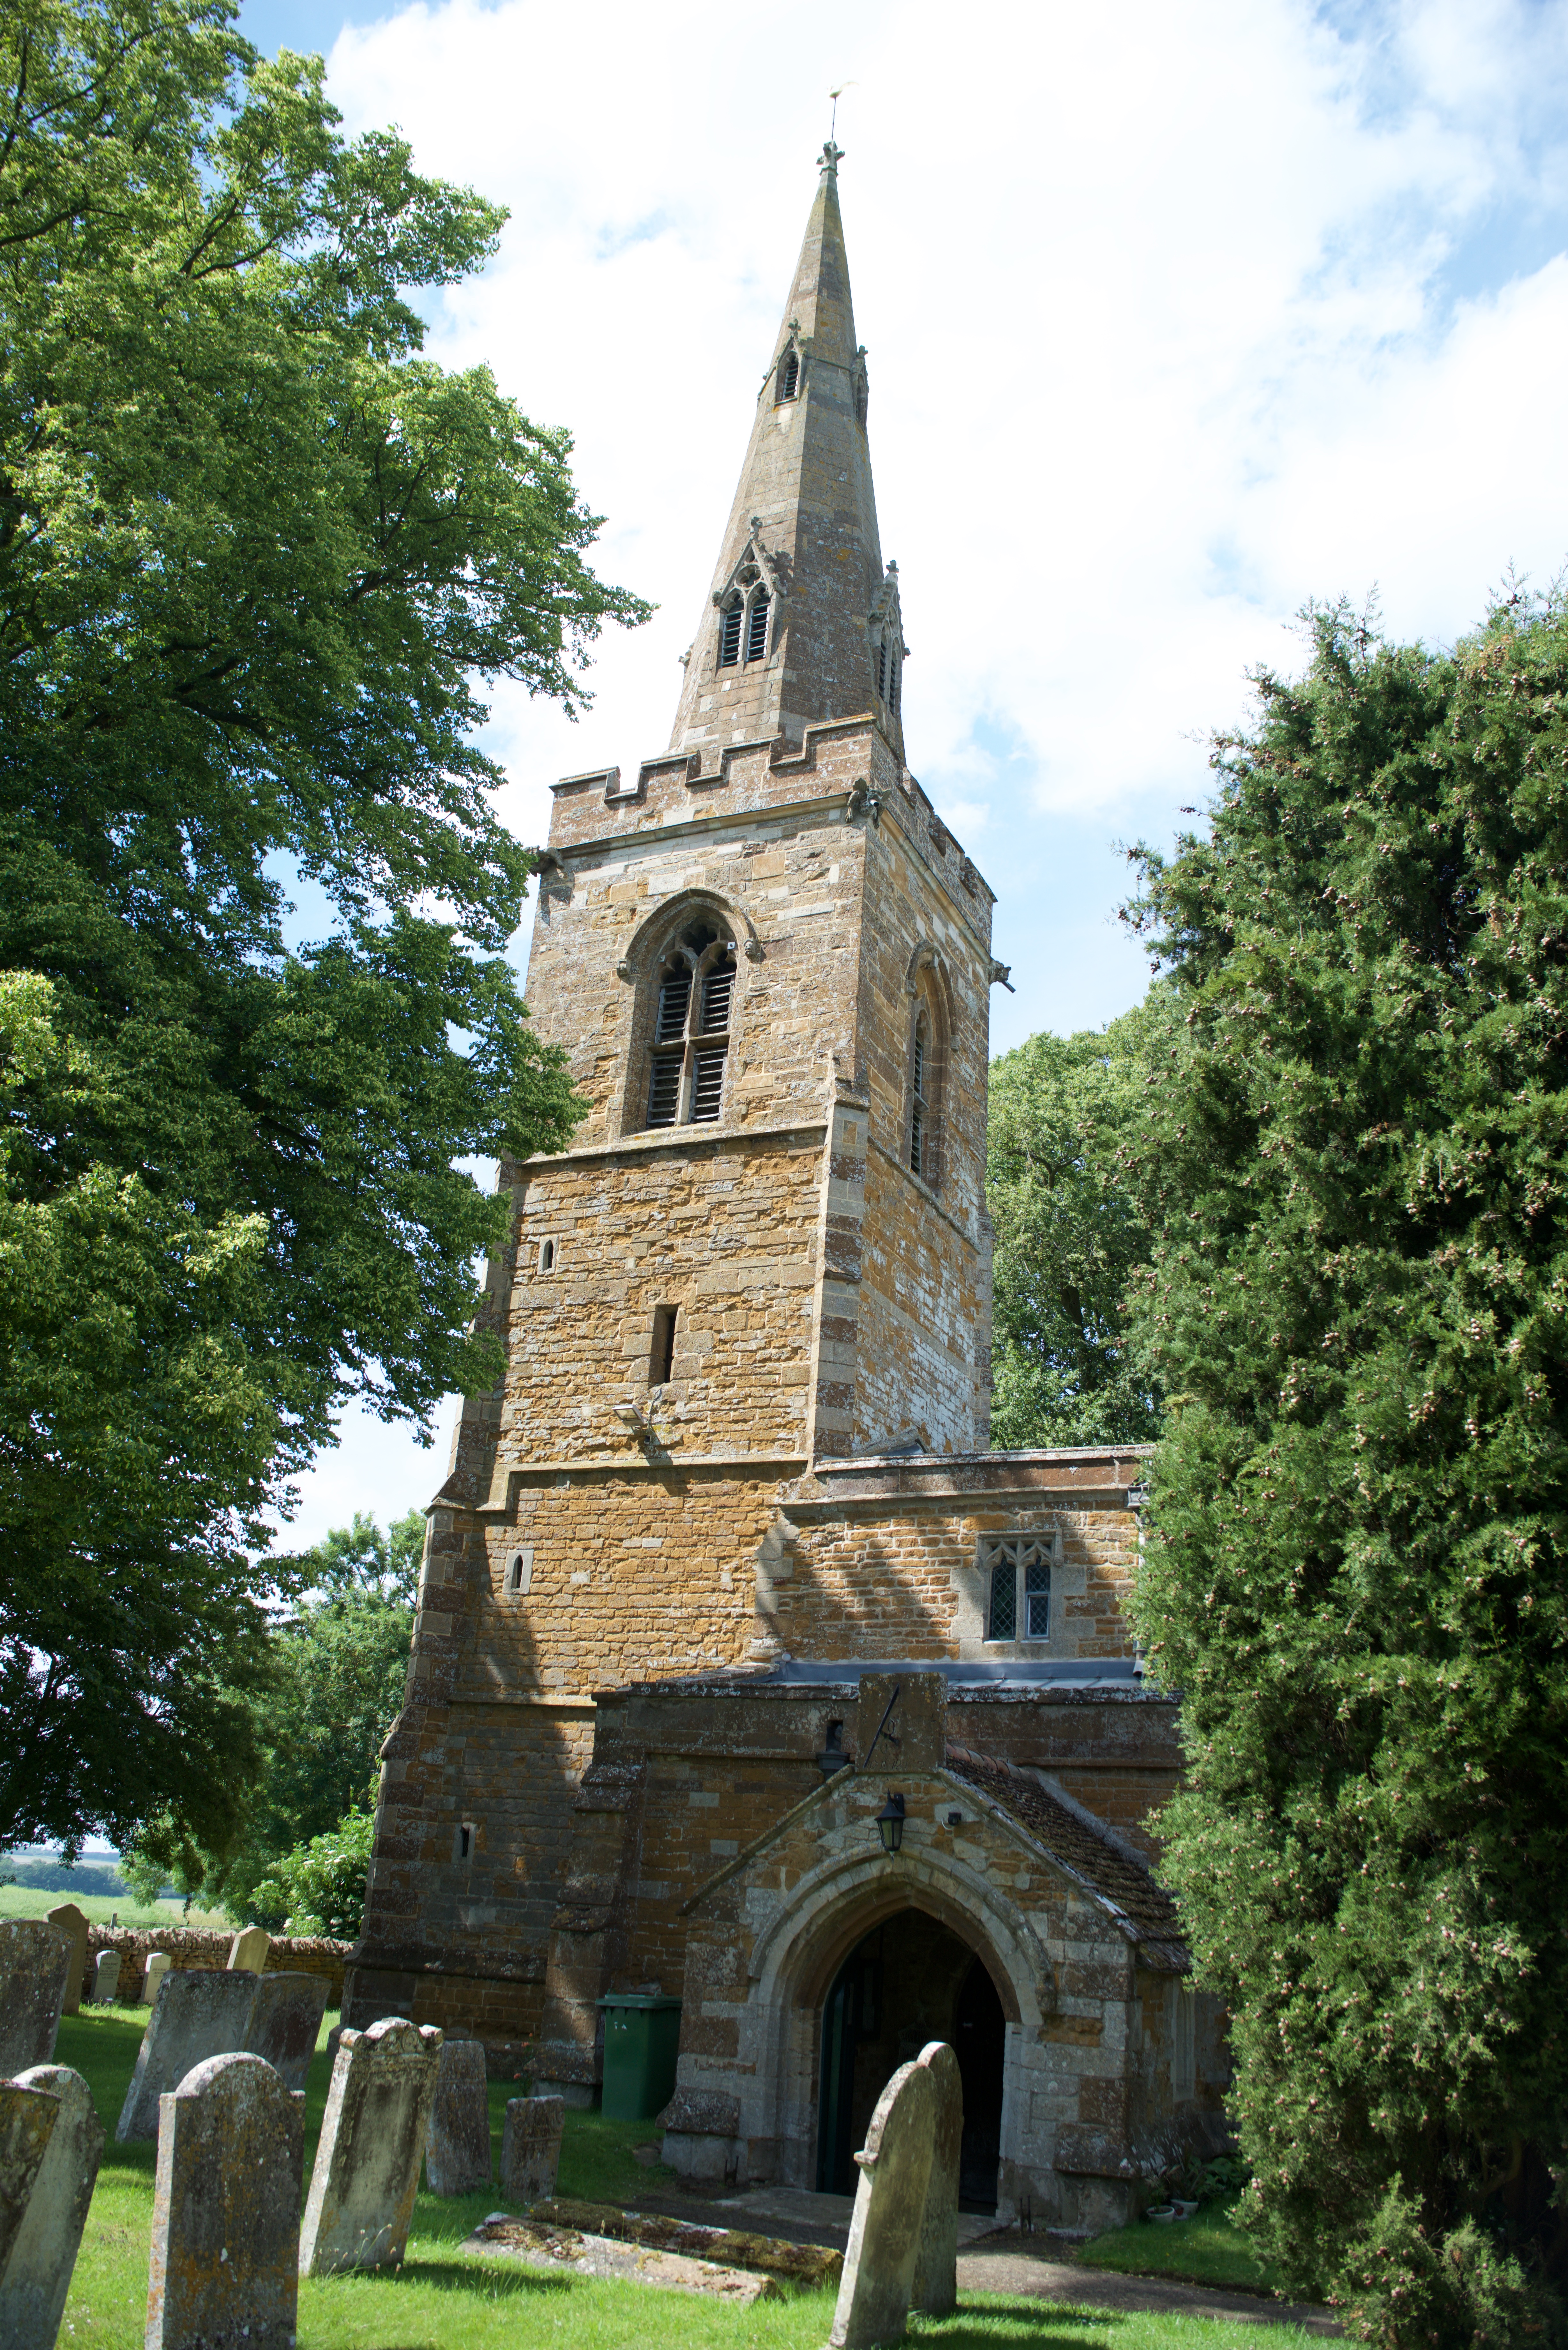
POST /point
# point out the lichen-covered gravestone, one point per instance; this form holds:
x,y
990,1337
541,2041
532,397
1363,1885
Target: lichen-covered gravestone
x,y
37,2277
106,1979
157,1967
250,1949
284,2020
34,1964
372,2138
72,1922
224,2266
890,2206
457,2145
28,2118
935,2286
531,2148
199,2014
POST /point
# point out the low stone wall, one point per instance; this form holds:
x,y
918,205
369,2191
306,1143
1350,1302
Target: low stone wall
x,y
195,1946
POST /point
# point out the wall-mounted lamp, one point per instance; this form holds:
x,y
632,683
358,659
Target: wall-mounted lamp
x,y
890,1824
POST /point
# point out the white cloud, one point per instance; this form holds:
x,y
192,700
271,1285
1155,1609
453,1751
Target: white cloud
x,y
1178,315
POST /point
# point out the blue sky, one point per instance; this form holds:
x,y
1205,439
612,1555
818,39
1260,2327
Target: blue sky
x,y
1178,317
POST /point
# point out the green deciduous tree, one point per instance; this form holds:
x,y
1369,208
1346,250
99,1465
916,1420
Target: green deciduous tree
x,y
1359,1569
1070,1225
333,1683
257,555
319,1886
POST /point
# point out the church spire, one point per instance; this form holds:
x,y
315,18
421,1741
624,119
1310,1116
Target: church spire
x,y
802,622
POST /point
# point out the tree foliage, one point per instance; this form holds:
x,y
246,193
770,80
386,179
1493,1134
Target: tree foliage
x,y
1357,1575
1070,1227
319,1886
256,556
333,1684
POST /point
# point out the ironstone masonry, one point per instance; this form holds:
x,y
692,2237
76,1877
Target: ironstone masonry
x,y
737,1474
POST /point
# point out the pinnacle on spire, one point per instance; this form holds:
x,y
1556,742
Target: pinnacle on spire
x,y
802,623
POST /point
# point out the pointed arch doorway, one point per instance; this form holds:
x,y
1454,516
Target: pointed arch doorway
x,y
909,1979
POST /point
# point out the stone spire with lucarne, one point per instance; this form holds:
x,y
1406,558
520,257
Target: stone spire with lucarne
x,y
802,623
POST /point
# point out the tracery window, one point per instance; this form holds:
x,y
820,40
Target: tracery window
x,y
1019,1589
696,989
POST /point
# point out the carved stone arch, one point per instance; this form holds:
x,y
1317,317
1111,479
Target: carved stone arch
x,y
928,996
649,949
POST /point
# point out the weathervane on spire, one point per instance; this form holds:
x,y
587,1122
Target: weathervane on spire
x,y
831,153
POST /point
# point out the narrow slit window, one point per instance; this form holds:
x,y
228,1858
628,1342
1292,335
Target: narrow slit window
x,y
707,1082
519,1571
882,673
546,1256
661,1357
465,1841
896,667
730,636
757,628
789,376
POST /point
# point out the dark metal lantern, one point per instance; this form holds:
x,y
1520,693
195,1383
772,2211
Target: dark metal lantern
x,y
890,1824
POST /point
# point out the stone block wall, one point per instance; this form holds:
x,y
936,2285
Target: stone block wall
x,y
196,1946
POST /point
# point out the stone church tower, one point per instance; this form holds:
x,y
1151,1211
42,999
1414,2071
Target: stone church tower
x,y
733,1500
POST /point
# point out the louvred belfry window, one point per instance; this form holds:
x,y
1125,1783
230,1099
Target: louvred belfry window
x,y
757,627
730,635
691,1029
789,376
919,1109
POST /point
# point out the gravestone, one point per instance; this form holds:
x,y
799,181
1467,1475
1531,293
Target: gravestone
x,y
935,2288
372,2137
531,2148
224,2266
106,1979
35,2279
36,1960
890,2205
28,2118
457,2144
72,1922
199,2014
250,1950
157,1967
284,2020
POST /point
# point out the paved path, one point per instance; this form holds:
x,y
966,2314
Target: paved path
x,y
993,2260
1008,2264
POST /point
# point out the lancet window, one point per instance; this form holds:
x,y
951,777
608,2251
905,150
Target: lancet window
x,y
694,1000
731,622
920,1102
789,374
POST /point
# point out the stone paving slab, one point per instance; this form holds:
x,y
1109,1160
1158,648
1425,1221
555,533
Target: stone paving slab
x,y
1011,2267
539,2245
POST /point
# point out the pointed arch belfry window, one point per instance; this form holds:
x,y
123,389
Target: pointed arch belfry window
x,y
693,1005
885,626
757,627
748,604
789,375
930,1036
730,625
920,1104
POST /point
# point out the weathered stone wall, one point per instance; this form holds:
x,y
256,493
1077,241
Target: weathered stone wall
x,y
202,1946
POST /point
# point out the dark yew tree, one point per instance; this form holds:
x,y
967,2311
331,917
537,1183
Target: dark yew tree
x,y
1359,1564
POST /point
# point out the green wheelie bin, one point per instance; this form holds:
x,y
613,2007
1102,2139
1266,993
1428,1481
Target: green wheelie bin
x,y
642,2039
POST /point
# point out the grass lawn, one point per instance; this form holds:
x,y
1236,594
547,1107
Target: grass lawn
x,y
444,2300
1208,2249
32,1901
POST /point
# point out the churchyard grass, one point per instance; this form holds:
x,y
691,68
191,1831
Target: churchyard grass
x,y
1208,2249
446,2300
100,1908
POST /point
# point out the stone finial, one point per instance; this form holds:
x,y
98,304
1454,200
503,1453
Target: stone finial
x,y
830,159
